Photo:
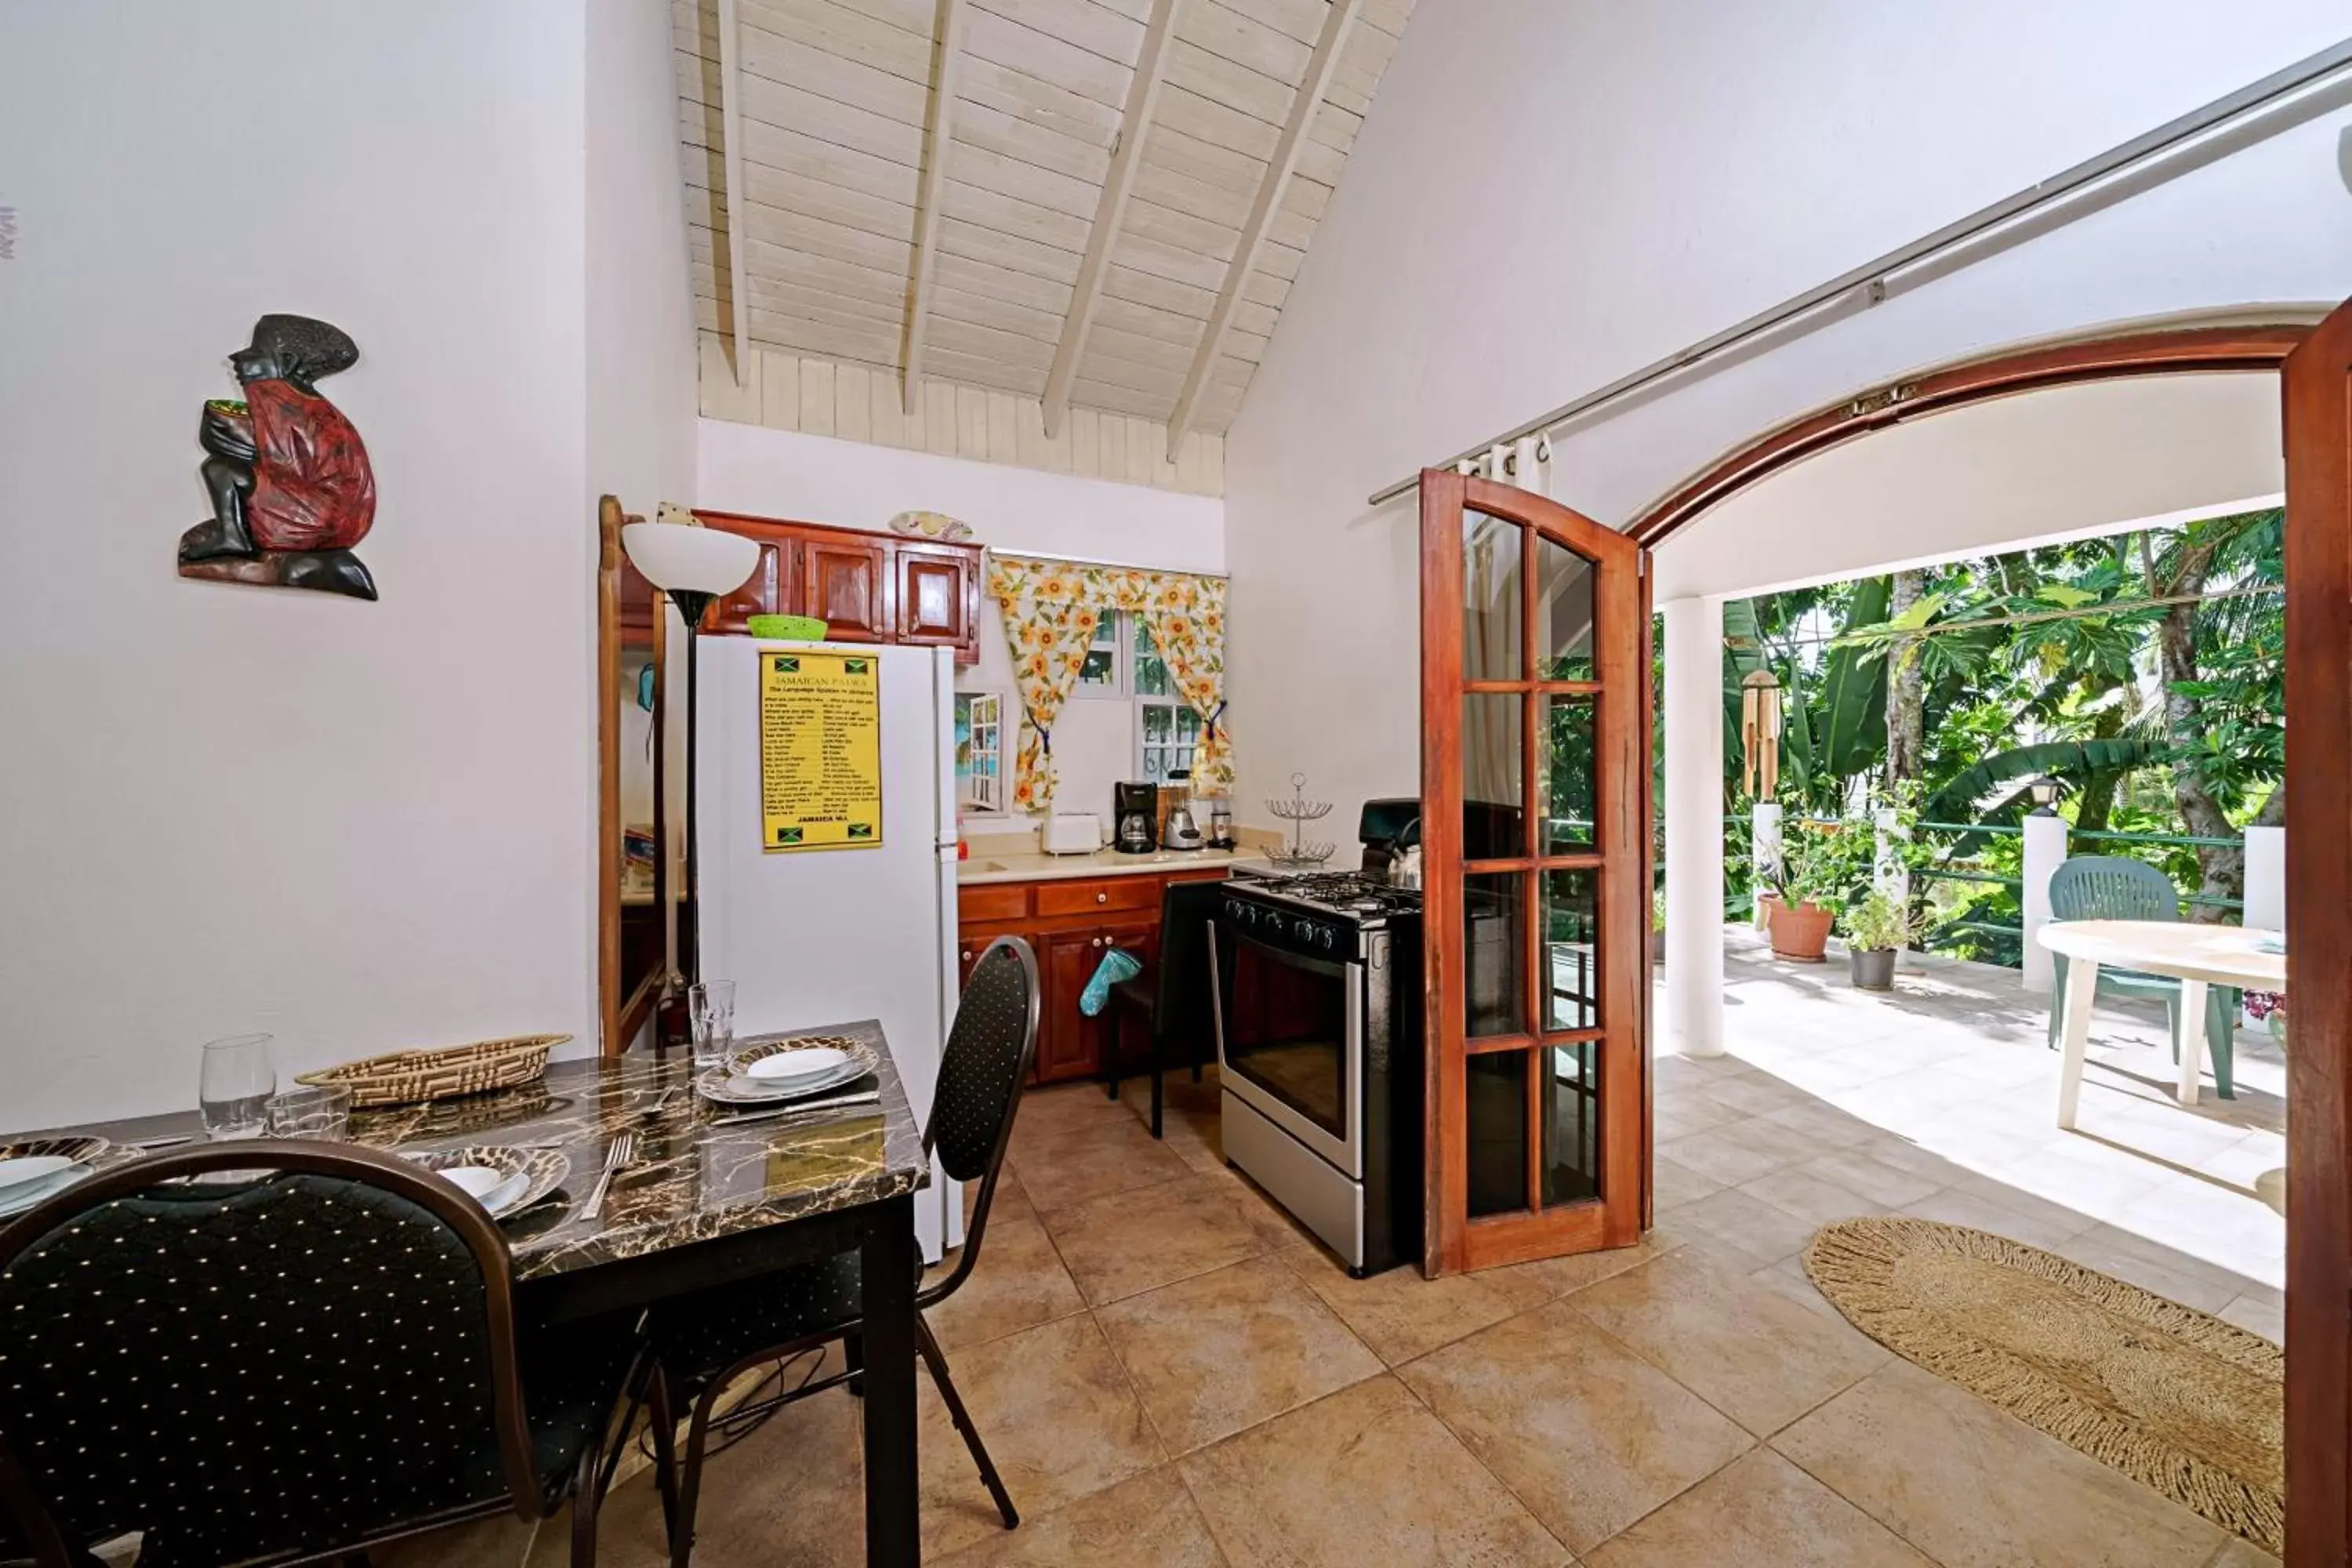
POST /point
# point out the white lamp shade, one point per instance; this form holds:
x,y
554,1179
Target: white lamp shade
x,y
678,559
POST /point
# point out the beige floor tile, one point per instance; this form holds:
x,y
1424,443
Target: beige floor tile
x,y
1018,1283
1548,1277
1788,1278
1957,1205
1280,1227
1584,1431
1742,1151
1809,1195
2258,1315
1739,1222
1227,1349
1876,1180
1125,1243
2149,1264
1762,1510
1675,1184
1058,1415
1401,1315
1742,1346
1364,1476
1075,1165
1146,1522
1975,1488
2236,1554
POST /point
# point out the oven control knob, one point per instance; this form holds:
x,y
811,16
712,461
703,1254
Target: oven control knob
x,y
1273,923
1324,936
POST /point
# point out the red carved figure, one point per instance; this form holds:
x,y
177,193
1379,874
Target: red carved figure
x,y
292,488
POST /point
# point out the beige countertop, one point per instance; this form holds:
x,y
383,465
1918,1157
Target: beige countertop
x,y
987,866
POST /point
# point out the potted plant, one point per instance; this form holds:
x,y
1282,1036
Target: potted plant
x,y
2270,1007
1876,930
1809,872
1658,926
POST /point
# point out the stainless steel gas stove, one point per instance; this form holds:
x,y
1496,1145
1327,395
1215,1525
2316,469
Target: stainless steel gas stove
x,y
1318,1035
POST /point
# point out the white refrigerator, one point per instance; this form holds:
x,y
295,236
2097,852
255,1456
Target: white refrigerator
x,y
831,935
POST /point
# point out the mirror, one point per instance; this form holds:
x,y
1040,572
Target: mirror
x,y
636,936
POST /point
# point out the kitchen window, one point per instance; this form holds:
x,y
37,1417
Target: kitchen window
x,y
1123,664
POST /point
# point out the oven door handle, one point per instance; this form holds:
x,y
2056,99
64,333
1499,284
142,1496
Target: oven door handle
x,y
1217,998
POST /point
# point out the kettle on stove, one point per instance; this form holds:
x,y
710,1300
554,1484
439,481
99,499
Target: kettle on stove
x,y
1404,856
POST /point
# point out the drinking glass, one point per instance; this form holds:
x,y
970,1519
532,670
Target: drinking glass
x,y
322,1111
711,1007
233,1090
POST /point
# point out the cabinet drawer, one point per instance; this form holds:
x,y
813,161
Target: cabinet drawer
x,y
1105,893
993,902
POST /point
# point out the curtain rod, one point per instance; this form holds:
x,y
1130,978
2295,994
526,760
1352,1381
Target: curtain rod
x,y
1872,275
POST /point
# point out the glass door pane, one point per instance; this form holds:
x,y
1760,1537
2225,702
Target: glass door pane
x,y
1491,599
1493,954
1496,1109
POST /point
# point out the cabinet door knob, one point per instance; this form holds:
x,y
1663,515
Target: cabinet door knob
x,y
1102,898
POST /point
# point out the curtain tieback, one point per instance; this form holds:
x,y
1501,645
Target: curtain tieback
x,y
1045,735
1210,723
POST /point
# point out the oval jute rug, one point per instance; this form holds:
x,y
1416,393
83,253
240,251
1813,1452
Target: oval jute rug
x,y
2169,1395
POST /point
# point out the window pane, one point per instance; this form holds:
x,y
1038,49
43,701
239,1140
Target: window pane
x,y
1495,947
1571,954
1563,613
1495,1106
1188,726
1155,765
1491,802
1100,669
1490,599
1157,721
1564,783
1106,631
1151,677
1571,1124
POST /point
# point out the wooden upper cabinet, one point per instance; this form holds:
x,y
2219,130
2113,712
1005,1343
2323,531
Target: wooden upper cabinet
x,y
866,587
846,582
939,595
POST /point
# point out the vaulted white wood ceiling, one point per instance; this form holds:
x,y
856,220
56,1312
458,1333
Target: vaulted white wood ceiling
x,y
1126,189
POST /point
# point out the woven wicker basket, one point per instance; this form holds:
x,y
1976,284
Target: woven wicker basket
x,y
407,1077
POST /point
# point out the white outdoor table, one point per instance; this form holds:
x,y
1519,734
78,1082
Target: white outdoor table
x,y
2195,955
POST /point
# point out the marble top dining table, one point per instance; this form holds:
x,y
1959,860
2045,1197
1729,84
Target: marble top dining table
x,y
712,1194
701,1171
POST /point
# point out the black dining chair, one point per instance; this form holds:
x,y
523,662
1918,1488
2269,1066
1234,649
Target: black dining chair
x,y
1173,1004
313,1352
706,1341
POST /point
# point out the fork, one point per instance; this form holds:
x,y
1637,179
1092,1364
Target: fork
x,y
624,1147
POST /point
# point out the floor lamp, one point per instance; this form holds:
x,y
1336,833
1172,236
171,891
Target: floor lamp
x,y
693,565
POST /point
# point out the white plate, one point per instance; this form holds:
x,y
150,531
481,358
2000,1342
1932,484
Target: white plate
x,y
790,1067
24,1194
737,1090
477,1182
31,1168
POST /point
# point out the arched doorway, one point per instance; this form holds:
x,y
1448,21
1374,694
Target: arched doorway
x,y
2313,357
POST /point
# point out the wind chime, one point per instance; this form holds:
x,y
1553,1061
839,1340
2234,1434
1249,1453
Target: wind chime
x,y
1759,734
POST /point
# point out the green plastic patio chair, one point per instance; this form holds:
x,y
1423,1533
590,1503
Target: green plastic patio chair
x,y
2110,888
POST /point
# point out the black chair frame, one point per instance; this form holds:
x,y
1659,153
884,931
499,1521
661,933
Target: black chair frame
x,y
1149,994
600,1458
689,1489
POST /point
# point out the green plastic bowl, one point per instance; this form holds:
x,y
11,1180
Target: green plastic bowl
x,y
787,628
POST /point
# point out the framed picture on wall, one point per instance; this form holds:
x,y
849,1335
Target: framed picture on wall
x,y
979,754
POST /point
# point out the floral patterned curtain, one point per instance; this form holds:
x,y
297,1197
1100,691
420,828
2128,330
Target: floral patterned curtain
x,y
1051,609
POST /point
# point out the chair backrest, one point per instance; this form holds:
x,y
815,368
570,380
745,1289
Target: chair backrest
x,y
989,1050
291,1358
1180,1007
2110,888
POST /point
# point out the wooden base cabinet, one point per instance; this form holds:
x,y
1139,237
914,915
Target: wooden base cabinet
x,y
1073,925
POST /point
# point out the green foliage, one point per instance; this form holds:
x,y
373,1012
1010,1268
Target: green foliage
x,y
1876,923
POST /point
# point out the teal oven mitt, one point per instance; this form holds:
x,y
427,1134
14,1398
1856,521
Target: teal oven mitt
x,y
1115,967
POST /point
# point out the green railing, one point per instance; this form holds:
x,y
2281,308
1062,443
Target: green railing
x,y
2007,939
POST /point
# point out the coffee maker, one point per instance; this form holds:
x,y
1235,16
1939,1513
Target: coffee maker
x,y
1135,815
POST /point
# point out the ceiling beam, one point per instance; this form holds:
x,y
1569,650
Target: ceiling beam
x,y
731,121
1317,80
947,58
1111,210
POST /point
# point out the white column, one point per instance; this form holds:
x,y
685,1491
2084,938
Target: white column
x,y
2266,877
2045,851
1694,808
1763,856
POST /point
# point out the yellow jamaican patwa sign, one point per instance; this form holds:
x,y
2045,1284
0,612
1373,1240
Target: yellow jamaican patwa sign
x,y
820,751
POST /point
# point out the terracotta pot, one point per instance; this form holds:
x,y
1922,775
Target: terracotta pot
x,y
1874,967
1800,933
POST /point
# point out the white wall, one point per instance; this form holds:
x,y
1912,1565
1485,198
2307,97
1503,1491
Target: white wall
x,y
1021,512
2070,461
355,825
1642,175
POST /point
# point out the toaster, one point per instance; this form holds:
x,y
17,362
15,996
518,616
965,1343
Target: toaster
x,y
1071,833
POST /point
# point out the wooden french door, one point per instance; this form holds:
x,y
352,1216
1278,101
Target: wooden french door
x,y
1535,916
2316,387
